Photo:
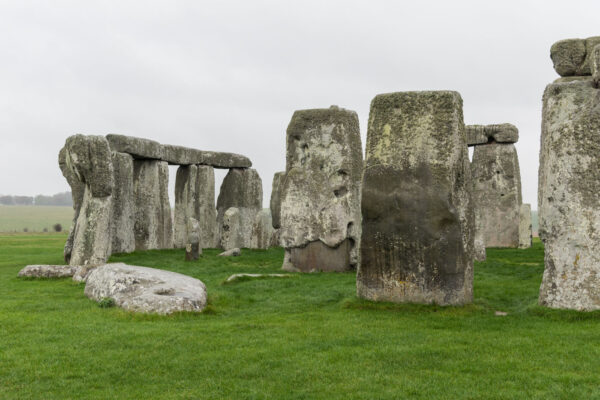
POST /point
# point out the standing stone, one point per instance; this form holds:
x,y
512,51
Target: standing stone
x,y
77,190
186,187
478,237
320,195
123,208
192,247
418,220
525,234
231,235
275,203
152,224
497,193
242,189
89,160
262,230
568,195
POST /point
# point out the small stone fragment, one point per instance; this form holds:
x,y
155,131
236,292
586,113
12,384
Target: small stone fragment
x,y
231,253
244,277
48,271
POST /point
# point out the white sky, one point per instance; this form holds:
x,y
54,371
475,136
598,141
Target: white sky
x,y
227,75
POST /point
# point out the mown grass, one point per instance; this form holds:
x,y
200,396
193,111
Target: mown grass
x,y
302,338
34,218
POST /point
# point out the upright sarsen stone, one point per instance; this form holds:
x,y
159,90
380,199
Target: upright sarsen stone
x,y
417,229
320,196
123,208
275,202
569,195
497,193
525,231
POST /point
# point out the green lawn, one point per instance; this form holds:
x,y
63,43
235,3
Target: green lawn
x,y
34,218
302,338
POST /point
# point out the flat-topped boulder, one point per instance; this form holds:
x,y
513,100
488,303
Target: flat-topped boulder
x,y
137,147
48,271
573,57
180,155
146,290
500,133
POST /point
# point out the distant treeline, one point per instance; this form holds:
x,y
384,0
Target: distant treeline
x,y
58,199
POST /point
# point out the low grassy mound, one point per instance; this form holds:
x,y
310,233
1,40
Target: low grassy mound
x,y
302,338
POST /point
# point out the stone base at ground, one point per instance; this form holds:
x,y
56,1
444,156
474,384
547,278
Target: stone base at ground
x,y
317,256
146,290
525,230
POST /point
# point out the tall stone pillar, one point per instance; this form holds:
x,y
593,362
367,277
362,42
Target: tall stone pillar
x,y
569,180
418,221
122,220
525,231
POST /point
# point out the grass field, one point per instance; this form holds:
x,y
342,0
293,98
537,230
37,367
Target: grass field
x,y
34,218
302,338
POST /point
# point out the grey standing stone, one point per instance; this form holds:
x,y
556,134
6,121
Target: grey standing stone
x,y
152,223
139,148
568,200
525,231
77,190
479,253
275,203
147,290
123,207
231,235
192,247
497,193
262,230
417,236
242,189
320,196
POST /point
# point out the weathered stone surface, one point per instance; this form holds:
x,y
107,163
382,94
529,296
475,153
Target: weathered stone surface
x,y
247,277
262,230
152,224
497,193
479,253
91,235
320,195
192,247
595,63
195,198
47,271
242,189
417,236
568,201
83,271
231,235
89,158
139,148
147,290
482,134
275,203
231,253
77,190
186,156
525,231
573,56
123,208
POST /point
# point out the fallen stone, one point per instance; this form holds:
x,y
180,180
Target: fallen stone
x,y
275,202
497,193
568,201
262,230
146,290
242,189
320,196
123,207
139,148
231,236
525,231
186,156
500,133
418,220
231,253
47,271
246,277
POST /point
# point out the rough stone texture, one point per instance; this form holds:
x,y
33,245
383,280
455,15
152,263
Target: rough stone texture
x,y
247,277
573,56
320,195
123,208
231,236
275,203
89,160
147,290
47,271
525,231
152,224
192,247
77,190
195,198
186,156
568,201
497,193
138,147
231,253
242,189
479,253
501,133
262,230
82,272
595,63
418,220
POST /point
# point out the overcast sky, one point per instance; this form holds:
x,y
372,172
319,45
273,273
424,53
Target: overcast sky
x,y
227,75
